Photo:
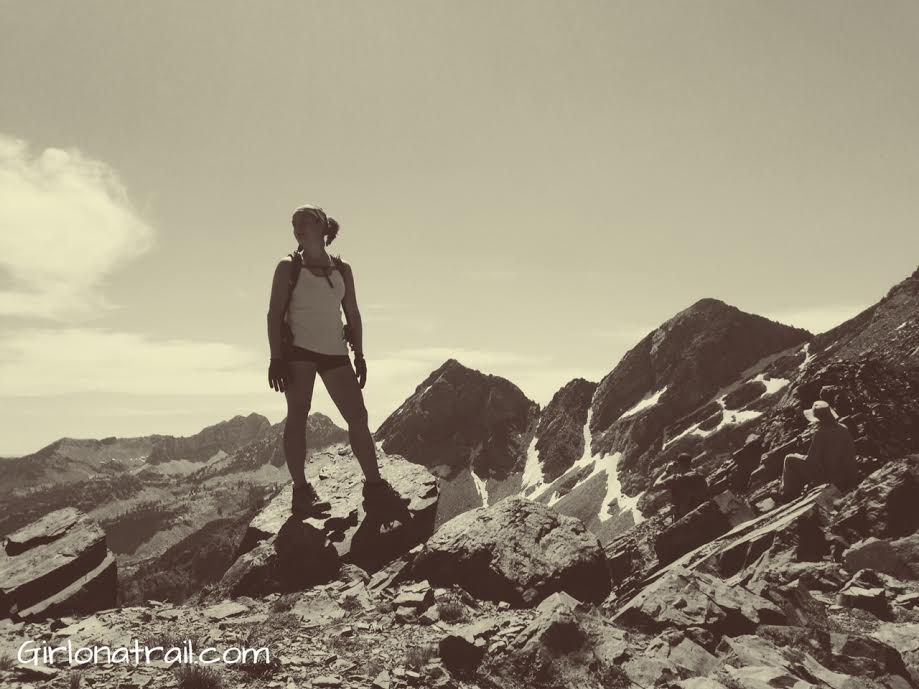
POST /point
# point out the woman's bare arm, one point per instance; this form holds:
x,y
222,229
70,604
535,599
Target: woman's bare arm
x,y
276,305
352,313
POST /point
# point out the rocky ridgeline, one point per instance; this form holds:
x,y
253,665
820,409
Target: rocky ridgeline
x,y
820,592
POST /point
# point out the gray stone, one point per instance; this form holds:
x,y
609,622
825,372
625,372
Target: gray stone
x,y
518,551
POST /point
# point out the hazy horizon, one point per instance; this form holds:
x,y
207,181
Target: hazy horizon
x,y
527,187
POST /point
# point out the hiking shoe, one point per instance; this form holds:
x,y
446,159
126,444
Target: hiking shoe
x,y
380,496
306,502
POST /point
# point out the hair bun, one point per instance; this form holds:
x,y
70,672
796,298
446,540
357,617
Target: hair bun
x,y
332,232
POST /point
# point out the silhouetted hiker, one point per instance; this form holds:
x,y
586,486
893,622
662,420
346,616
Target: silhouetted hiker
x,y
306,337
687,487
830,459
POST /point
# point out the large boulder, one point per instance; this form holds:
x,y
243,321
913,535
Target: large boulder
x,y
884,504
898,557
708,521
282,553
517,551
57,565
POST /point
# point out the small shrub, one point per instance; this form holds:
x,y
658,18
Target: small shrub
x,y
451,611
173,637
417,656
285,602
351,603
191,676
7,662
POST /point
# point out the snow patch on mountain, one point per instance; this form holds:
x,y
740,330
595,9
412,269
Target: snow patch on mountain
x,y
730,418
533,479
773,385
610,464
646,402
480,487
423,392
808,357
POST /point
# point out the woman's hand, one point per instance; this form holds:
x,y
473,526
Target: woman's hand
x,y
277,375
360,368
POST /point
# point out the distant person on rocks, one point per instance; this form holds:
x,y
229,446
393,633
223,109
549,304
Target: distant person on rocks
x,y
688,488
830,459
305,334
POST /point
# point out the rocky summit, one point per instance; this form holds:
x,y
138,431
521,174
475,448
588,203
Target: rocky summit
x,y
556,547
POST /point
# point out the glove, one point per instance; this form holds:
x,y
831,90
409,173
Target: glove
x,y
360,368
277,375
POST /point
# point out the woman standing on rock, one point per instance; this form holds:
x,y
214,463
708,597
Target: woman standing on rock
x,y
306,337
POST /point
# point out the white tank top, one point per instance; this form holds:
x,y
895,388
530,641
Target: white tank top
x,y
315,312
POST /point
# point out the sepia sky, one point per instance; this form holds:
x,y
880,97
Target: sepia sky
x,y
528,187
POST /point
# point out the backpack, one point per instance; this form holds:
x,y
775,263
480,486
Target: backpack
x,y
287,335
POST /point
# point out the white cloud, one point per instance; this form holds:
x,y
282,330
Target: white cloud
x,y
65,223
65,360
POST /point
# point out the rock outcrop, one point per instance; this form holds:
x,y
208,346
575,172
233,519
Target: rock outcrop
x,y
58,565
560,432
282,553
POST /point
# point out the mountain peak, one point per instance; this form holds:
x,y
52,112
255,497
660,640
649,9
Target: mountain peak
x,y
710,303
692,355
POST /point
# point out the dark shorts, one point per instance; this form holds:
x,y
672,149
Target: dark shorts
x,y
322,361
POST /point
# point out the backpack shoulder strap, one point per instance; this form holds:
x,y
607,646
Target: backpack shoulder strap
x,y
296,262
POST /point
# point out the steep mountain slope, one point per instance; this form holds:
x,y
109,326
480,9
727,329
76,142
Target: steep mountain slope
x,y
889,330
676,368
587,450
700,383
459,418
468,428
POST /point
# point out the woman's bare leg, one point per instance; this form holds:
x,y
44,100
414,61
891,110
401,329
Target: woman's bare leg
x,y
299,392
341,382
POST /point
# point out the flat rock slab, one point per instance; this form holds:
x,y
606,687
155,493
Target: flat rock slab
x,y
50,527
684,598
60,564
225,609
